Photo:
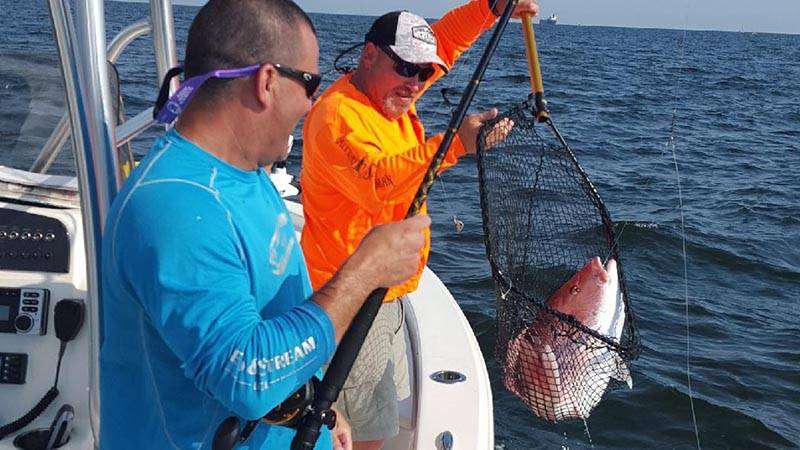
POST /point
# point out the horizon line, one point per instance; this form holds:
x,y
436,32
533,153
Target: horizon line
x,y
637,27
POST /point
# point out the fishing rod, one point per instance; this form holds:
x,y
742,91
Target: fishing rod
x,y
231,432
320,413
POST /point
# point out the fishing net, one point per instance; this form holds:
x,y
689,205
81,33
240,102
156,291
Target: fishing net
x,y
544,222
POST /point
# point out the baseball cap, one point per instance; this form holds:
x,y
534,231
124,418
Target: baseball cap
x,y
408,35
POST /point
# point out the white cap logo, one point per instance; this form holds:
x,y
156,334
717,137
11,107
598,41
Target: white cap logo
x,y
424,34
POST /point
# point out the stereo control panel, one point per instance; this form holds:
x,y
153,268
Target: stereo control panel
x,y
24,311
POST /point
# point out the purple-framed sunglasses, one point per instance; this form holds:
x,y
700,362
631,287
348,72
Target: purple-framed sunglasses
x,y
167,110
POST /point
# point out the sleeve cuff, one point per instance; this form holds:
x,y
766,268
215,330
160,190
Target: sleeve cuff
x,y
457,147
488,5
486,10
325,323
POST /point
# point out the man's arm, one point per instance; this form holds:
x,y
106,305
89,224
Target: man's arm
x,y
189,275
355,163
363,172
523,7
458,29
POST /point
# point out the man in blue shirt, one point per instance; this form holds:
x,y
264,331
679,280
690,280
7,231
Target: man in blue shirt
x,y
208,311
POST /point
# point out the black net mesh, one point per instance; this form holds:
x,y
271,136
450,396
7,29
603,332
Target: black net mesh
x,y
565,327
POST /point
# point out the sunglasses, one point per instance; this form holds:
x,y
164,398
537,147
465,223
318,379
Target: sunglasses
x,y
167,108
407,69
310,81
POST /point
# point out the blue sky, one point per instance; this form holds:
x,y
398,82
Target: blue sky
x,y
777,16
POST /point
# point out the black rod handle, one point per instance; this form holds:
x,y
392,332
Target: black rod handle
x,y
339,369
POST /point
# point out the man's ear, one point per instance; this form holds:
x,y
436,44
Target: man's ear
x,y
265,84
369,54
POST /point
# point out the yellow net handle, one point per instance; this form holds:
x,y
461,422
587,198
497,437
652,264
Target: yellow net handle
x,y
537,87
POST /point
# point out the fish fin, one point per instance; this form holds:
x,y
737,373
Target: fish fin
x,y
618,322
623,373
554,389
550,365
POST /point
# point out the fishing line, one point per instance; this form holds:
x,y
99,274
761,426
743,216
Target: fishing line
x,y
458,224
682,63
671,145
685,282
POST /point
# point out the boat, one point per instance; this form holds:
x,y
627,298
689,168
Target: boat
x,y
552,20
50,234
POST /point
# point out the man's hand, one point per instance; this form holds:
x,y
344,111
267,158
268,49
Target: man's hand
x,y
389,254
498,133
341,435
523,7
471,126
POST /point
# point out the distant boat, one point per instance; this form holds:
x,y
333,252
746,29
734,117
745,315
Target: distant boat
x,y
549,21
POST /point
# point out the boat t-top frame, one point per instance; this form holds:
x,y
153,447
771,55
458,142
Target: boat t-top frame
x,y
96,137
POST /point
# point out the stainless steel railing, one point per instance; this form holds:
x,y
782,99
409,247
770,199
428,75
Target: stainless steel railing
x,y
160,25
83,53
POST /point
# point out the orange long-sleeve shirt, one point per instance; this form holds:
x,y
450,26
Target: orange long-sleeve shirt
x,y
361,169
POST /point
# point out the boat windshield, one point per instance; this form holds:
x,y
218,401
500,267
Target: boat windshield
x,y
32,97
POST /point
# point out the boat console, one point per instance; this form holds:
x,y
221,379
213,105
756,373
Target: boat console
x,y
42,306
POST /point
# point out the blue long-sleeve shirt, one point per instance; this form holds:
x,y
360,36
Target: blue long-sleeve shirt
x,y
206,304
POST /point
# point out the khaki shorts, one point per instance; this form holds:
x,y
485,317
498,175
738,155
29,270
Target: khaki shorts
x,y
379,379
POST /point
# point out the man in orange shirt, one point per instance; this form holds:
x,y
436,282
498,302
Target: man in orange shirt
x,y
364,155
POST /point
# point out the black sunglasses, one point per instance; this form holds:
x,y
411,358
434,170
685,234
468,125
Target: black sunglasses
x,y
310,81
407,69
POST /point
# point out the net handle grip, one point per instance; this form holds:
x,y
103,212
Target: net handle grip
x,y
534,69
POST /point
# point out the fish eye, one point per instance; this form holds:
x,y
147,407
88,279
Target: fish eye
x,y
575,289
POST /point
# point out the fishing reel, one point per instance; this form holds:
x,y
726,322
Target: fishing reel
x,y
289,413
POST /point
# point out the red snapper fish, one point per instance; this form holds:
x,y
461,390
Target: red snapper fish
x,y
558,371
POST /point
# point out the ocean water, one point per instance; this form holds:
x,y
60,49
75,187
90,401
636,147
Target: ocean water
x,y
734,99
